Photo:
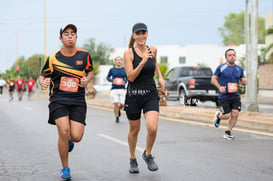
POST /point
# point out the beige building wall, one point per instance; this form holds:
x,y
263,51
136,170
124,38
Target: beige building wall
x,y
265,76
265,71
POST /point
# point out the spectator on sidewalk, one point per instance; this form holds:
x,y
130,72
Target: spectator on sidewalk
x,y
118,77
226,78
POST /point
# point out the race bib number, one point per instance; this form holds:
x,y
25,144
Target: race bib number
x,y
232,87
118,81
69,84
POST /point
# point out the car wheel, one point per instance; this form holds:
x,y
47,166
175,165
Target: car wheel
x,y
182,98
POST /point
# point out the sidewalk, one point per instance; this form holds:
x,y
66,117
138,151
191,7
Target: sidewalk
x,y
254,121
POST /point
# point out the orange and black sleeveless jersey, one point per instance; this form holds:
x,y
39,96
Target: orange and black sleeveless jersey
x,y
65,73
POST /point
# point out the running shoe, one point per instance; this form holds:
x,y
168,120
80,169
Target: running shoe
x,y
216,119
117,119
65,174
71,145
228,136
152,166
133,166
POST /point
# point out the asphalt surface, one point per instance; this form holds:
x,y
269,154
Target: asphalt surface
x,y
184,149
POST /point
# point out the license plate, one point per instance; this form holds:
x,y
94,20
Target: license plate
x,y
212,92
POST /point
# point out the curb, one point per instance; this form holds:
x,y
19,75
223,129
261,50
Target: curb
x,y
254,121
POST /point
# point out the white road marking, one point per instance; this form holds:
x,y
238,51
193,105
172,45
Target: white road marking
x,y
119,141
27,108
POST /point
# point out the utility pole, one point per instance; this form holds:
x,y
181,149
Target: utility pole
x,y
247,65
44,31
252,60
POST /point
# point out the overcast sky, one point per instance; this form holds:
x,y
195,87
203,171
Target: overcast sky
x,y
171,22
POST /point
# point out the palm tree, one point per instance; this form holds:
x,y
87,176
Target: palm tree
x,y
270,47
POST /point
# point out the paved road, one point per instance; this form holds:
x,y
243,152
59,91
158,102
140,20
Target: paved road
x,y
28,148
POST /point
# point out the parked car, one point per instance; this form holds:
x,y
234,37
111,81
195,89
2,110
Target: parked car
x,y
191,84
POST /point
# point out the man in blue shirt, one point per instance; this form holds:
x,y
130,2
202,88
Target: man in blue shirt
x,y
118,77
226,78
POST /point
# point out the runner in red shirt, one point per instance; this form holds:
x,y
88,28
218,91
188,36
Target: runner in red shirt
x,y
30,85
20,87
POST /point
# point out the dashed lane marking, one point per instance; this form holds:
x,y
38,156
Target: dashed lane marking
x,y
27,108
119,141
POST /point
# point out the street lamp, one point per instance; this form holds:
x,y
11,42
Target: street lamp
x,y
16,37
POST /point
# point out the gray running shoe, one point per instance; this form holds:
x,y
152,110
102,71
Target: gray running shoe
x,y
152,166
133,166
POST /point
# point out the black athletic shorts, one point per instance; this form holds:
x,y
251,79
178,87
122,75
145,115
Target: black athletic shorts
x,y
135,103
75,112
11,88
229,103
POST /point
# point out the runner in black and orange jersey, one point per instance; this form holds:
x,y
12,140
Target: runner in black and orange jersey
x,y
11,84
67,72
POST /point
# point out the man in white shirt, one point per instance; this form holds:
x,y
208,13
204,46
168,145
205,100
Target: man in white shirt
x,y
2,84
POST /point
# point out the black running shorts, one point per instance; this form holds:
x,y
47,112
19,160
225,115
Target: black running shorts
x,y
75,112
11,88
135,103
229,103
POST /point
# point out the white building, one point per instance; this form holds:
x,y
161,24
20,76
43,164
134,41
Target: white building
x,y
209,54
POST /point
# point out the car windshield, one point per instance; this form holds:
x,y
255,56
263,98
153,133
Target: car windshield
x,y
198,72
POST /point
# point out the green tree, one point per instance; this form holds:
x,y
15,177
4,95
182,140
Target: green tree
x,y
233,30
32,66
202,64
100,52
269,48
163,69
28,67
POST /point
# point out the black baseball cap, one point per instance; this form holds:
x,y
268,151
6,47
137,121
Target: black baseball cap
x,y
139,27
68,26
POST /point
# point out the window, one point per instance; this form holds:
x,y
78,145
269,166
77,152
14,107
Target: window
x,y
164,59
182,60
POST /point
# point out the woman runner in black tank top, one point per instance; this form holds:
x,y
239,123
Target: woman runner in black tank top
x,y
140,65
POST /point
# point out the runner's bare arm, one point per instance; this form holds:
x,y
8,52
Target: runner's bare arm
x,y
214,81
44,82
87,79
